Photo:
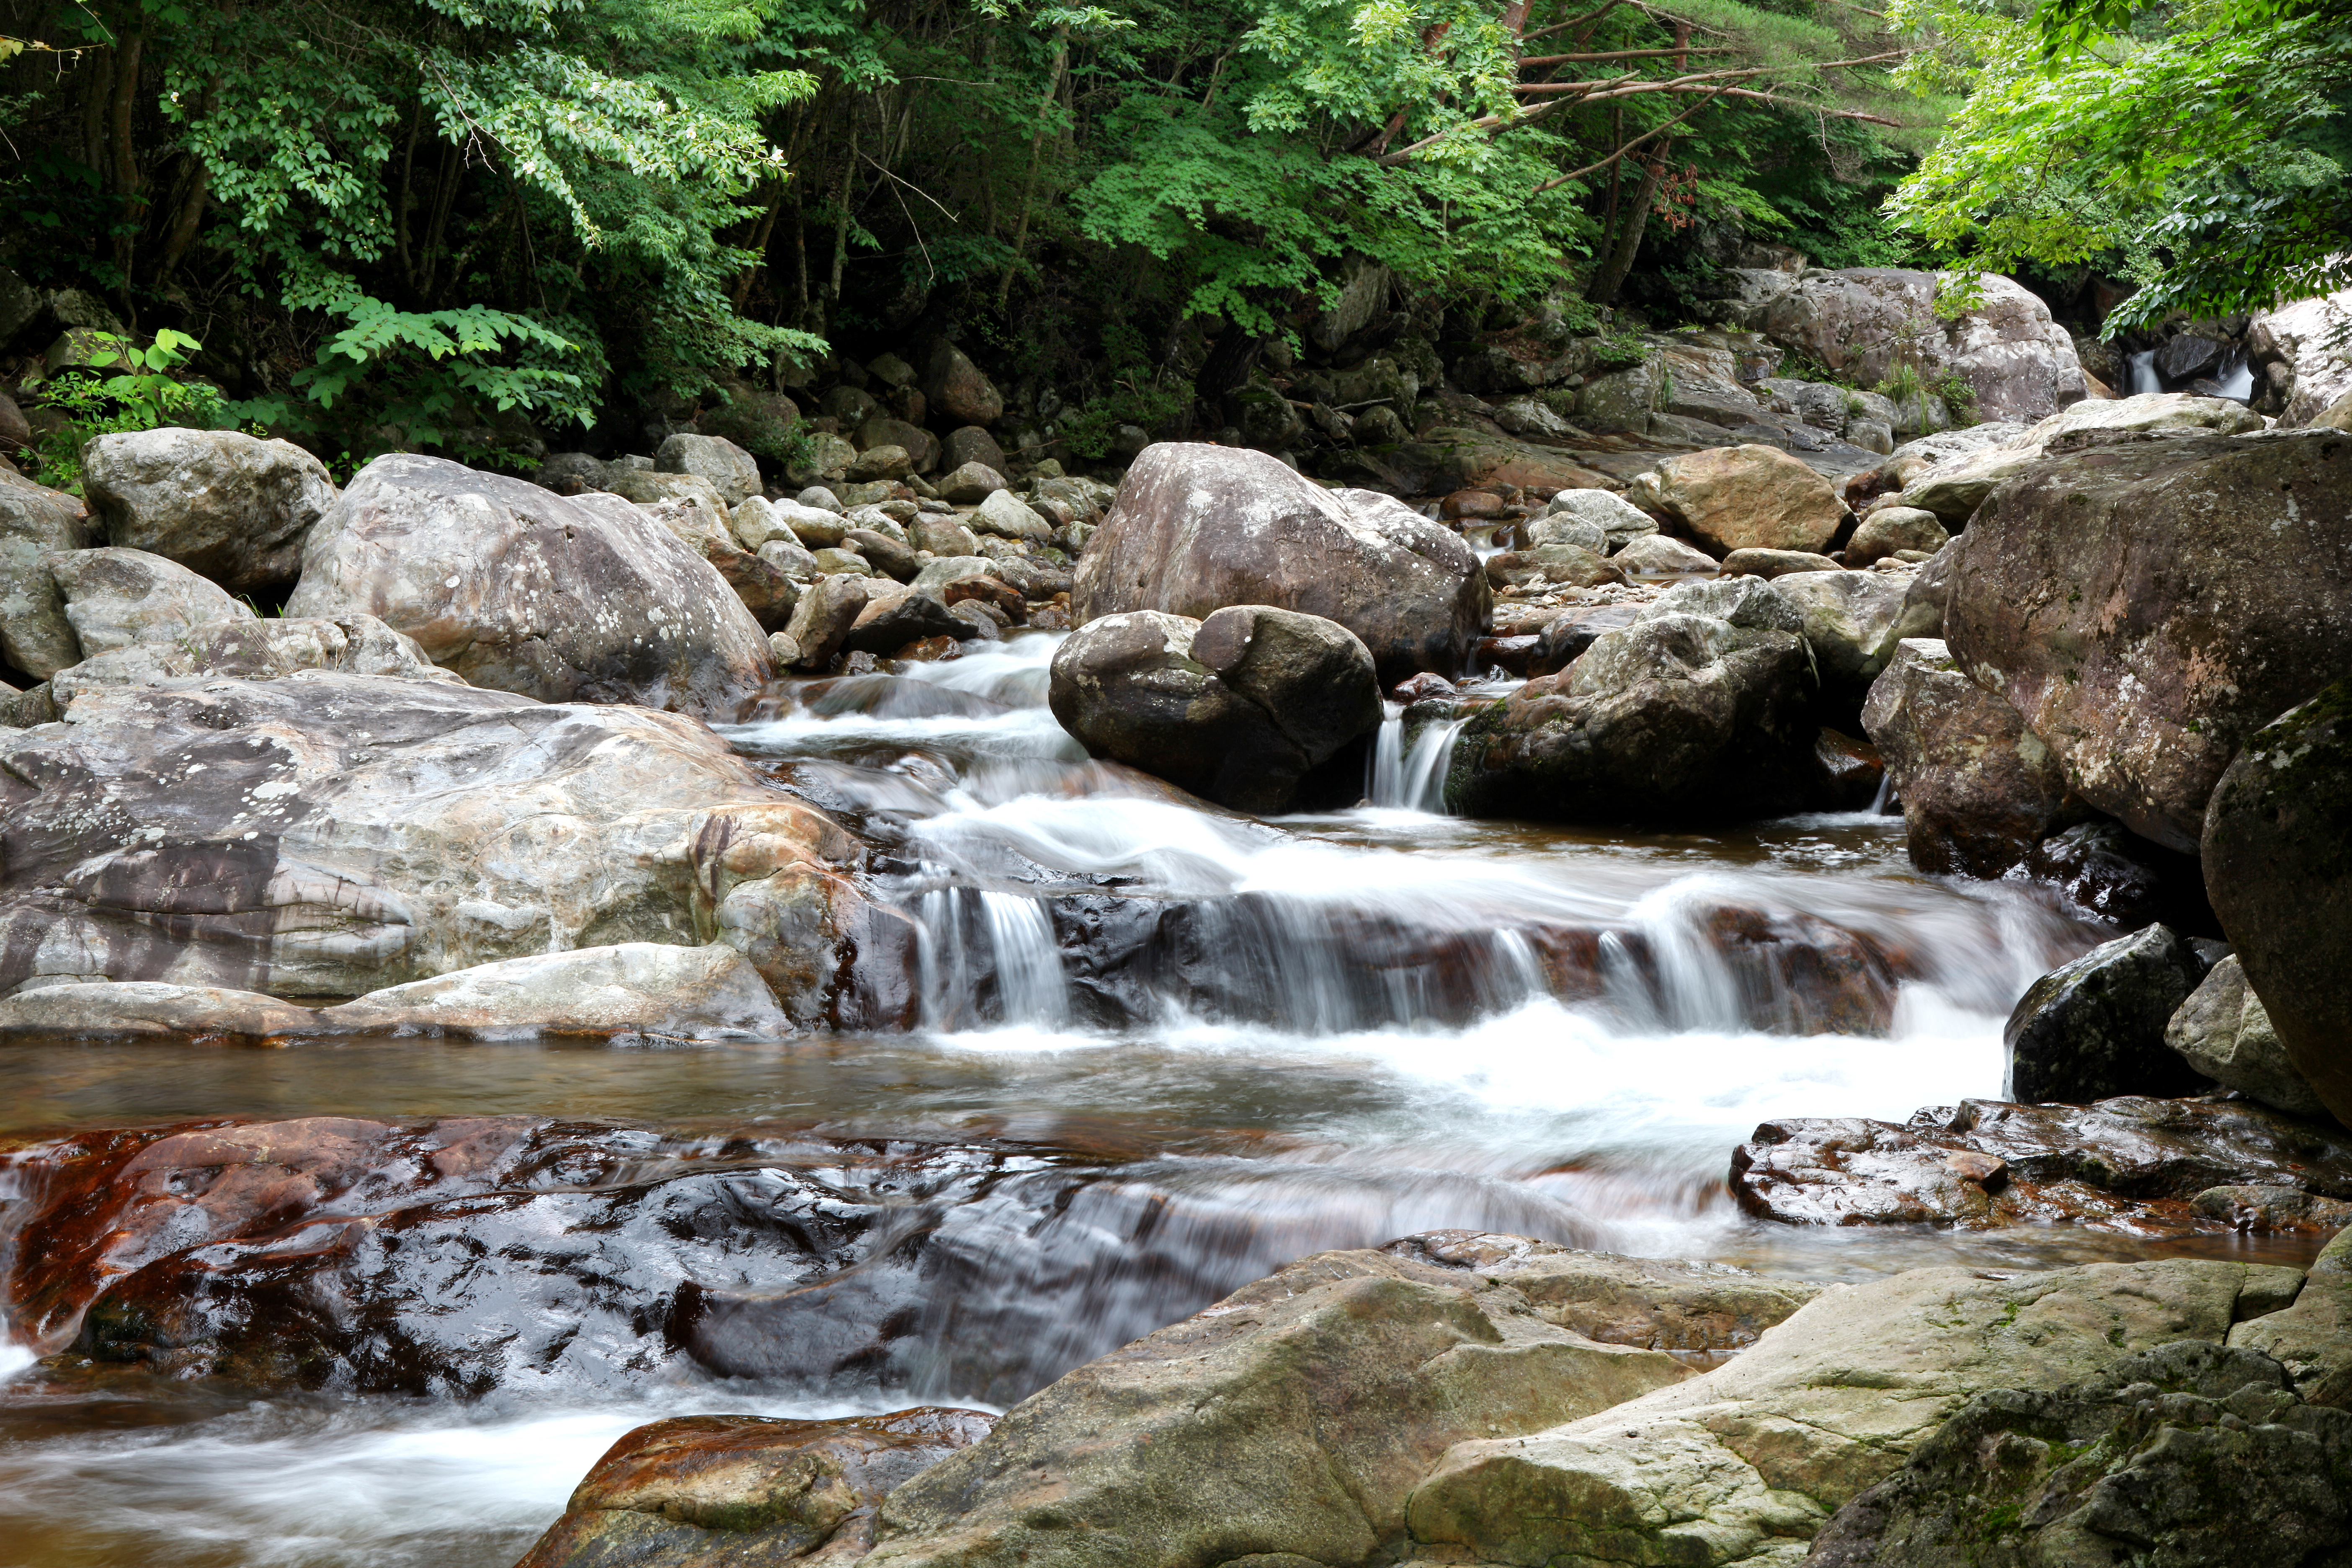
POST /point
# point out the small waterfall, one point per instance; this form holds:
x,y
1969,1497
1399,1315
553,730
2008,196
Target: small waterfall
x,y
1413,778
1694,987
1030,986
2141,374
1009,944
2237,377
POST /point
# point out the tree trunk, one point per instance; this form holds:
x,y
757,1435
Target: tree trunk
x,y
1613,271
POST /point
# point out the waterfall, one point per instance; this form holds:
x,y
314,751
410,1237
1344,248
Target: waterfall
x,y
2141,374
1012,943
2237,377
1030,987
1412,779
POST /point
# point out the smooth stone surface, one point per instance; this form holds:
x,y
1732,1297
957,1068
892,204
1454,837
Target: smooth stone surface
x,y
35,521
1854,622
1752,497
225,505
636,987
2094,1027
730,470
117,599
148,1009
256,648
2223,1032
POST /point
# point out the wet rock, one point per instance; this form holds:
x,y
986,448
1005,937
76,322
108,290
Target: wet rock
x,y
1737,497
34,635
2190,1456
2264,1208
2278,866
892,617
520,589
2095,1028
1239,708
2144,608
330,835
1559,564
697,1489
1292,1417
117,599
1746,1463
130,1010
2224,1034
1978,789
1854,769
2106,869
1700,711
225,505
1654,555
1853,623
2131,1165
250,647
1892,528
955,387
636,987
1198,528
826,612
1772,564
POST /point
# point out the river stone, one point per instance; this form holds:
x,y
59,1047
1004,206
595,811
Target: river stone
x,y
2312,1337
645,486
2224,1034
255,648
700,993
1852,623
731,471
1745,1464
969,484
702,1489
2145,607
1197,527
888,556
1656,554
1621,521
1005,515
2094,1027
880,430
895,615
889,462
1290,1420
520,590
34,635
330,835
1888,528
1239,708
136,1009
570,473
223,504
1770,563
955,387
1701,710
826,611
1734,498
942,536
765,589
789,556
119,598
2278,868
2142,1166
2189,1456
1556,527
1562,565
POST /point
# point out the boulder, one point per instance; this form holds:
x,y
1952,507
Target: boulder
x,y
943,535
2136,1165
34,635
956,388
520,589
1770,563
725,467
117,598
2278,867
2309,337
646,487
894,615
886,555
1859,321
1978,789
969,484
889,462
1555,528
1562,565
1745,1464
2224,1033
1286,1424
789,556
700,1488
843,561
824,455
105,1010
250,648
1005,514
1620,520
1701,710
1733,498
1888,528
827,610
2094,1027
920,446
971,444
1198,528
570,473
1852,623
1240,707
1656,555
2312,1338
1955,485
2202,1452
632,987
331,835
2146,606
223,504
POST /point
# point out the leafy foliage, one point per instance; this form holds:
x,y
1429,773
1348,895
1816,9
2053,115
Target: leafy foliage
x,y
142,393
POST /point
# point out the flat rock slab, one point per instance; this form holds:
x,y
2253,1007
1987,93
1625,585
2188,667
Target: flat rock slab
x,y
2130,1163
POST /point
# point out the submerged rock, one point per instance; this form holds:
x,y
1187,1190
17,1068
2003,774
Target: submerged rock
x,y
1199,528
2136,1165
2094,1027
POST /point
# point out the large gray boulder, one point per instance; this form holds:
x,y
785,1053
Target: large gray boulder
x,y
1955,485
1860,322
116,599
1978,790
1289,1423
2278,868
1745,1464
325,835
2094,1027
1852,622
2309,340
729,469
520,589
2145,607
225,505
35,521
250,647
2224,1033
1239,708
1699,711
1198,528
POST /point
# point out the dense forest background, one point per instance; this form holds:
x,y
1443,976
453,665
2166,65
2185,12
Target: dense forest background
x,y
481,225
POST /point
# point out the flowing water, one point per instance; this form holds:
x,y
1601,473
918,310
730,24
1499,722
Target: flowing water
x,y
1262,1039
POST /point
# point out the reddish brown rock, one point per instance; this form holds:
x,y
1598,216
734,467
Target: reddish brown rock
x,y
1738,498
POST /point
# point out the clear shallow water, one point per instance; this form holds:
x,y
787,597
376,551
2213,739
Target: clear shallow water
x,y
1322,1032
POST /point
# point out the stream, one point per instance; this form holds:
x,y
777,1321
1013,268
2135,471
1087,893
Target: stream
x,y
1211,1044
